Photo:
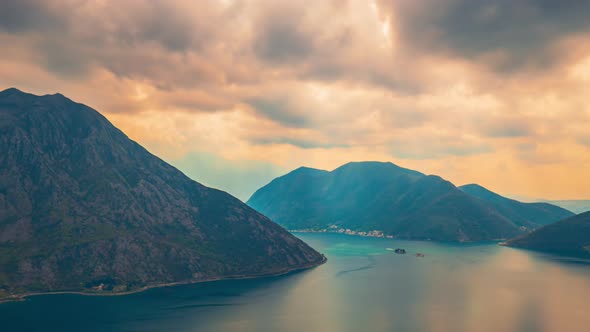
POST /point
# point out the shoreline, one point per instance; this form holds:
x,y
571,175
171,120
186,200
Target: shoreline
x,y
22,297
370,234
562,256
391,237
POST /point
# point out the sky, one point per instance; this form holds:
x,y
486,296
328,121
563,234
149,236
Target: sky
x,y
235,93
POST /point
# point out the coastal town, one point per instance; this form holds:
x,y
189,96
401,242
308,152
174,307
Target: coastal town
x,y
347,231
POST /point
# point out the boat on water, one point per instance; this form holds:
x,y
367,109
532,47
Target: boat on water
x,y
400,251
419,254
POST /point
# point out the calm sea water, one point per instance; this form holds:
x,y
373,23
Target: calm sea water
x,y
363,287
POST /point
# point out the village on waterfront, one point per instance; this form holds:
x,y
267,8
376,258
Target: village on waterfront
x,y
347,231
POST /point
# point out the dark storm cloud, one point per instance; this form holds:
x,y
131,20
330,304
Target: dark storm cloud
x,y
24,15
437,82
125,23
508,34
320,47
173,27
139,39
281,37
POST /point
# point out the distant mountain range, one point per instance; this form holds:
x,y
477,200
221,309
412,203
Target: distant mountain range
x,y
364,196
569,237
529,215
84,208
576,206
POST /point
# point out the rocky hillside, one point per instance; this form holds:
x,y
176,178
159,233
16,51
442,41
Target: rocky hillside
x,y
84,208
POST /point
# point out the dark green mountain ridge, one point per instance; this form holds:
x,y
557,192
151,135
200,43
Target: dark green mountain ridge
x,y
84,208
529,215
569,237
365,196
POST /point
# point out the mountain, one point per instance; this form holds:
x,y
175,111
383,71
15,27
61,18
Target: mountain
x,y
529,215
84,208
364,196
569,237
576,206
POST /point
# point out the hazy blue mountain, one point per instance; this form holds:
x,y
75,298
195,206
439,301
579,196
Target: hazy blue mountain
x,y
366,196
576,206
83,207
567,237
529,215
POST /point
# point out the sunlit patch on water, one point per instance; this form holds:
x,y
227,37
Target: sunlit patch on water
x,y
347,249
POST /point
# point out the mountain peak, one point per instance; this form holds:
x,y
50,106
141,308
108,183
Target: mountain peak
x,y
17,92
479,190
92,194
372,195
10,91
367,163
14,96
374,166
306,171
382,196
472,185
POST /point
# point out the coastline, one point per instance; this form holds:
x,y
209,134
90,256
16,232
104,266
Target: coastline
x,y
392,237
332,230
22,297
562,256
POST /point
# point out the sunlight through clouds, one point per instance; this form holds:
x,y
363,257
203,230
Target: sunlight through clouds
x,y
432,85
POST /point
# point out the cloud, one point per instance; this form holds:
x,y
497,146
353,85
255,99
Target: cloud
x,y
280,110
508,126
158,42
439,85
584,140
506,35
282,37
19,16
423,149
301,143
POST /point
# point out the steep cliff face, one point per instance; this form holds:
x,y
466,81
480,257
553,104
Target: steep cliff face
x,y
83,205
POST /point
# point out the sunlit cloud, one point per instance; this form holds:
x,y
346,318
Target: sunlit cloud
x,y
475,91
